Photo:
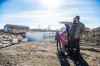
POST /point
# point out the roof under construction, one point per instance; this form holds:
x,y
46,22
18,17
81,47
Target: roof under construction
x,y
96,29
68,23
16,26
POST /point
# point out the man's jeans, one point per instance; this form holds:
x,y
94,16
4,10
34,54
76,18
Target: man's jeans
x,y
74,46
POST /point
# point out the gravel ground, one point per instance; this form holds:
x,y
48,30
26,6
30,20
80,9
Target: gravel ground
x,y
35,54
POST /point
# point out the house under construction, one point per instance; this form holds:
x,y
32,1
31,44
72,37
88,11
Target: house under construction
x,y
12,34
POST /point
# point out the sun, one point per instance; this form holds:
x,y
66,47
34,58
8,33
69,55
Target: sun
x,y
50,3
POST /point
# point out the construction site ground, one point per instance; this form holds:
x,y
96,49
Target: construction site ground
x,y
42,54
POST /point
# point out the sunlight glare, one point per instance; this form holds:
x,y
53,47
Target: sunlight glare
x,y
50,3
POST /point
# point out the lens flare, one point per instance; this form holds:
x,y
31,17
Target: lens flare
x,y
50,3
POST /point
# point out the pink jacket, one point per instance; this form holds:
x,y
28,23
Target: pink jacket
x,y
63,39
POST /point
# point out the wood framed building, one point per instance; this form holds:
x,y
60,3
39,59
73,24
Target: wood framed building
x,y
96,35
15,28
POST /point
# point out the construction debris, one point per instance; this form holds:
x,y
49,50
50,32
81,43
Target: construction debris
x,y
12,34
7,39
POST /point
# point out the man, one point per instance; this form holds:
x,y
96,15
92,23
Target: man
x,y
76,30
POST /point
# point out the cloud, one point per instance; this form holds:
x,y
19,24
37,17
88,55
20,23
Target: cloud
x,y
32,18
33,12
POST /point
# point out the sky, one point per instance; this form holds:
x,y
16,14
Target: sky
x,y
44,13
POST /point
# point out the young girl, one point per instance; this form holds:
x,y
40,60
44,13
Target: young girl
x,y
64,41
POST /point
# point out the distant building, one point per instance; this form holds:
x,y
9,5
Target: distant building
x,y
39,35
96,35
43,30
87,34
68,23
15,28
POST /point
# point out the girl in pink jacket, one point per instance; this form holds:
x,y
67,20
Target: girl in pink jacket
x,y
64,41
